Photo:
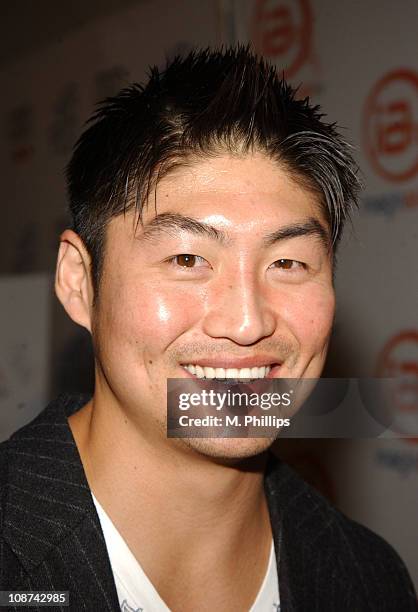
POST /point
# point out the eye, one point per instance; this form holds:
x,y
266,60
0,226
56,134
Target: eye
x,y
288,264
186,260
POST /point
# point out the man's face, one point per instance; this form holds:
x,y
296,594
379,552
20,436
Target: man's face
x,y
214,277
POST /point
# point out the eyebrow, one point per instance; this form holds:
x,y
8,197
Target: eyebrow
x,y
174,222
310,227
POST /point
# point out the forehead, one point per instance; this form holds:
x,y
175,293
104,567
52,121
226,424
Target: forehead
x,y
234,188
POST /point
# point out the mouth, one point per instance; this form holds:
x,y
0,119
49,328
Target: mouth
x,y
231,375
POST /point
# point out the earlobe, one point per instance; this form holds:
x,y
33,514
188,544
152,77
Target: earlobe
x,y
72,279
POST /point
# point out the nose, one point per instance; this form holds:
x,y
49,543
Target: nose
x,y
239,309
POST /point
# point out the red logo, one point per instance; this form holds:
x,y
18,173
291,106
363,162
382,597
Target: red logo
x,y
283,31
391,126
399,359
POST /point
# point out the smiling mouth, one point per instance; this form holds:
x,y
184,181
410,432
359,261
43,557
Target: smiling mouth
x,y
230,375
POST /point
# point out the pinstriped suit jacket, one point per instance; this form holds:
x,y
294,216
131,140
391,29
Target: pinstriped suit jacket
x,y
51,539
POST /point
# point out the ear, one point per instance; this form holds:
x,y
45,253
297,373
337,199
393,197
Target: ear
x,y
73,285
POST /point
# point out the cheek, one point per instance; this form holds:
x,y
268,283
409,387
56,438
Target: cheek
x,y
150,315
168,310
309,314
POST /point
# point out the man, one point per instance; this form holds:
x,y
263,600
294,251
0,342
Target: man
x,y
206,209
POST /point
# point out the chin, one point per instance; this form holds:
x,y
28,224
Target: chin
x,y
229,448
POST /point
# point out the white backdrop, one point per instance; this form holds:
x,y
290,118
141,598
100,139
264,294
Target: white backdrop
x,y
25,305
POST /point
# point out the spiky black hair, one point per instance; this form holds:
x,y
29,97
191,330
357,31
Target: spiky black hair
x,y
208,102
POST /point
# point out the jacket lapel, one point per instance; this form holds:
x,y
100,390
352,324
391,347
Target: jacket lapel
x,y
308,543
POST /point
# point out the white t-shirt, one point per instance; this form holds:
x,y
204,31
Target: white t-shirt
x,y
136,593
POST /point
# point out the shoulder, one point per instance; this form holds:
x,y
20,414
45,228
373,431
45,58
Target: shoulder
x,y
356,558
369,551
377,566
52,416
40,445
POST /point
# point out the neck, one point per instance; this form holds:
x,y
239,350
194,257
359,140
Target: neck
x,y
205,505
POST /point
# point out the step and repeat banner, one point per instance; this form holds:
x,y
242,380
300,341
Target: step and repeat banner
x,y
359,60
46,98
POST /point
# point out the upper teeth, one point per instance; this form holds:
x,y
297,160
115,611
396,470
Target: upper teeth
x,y
208,372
